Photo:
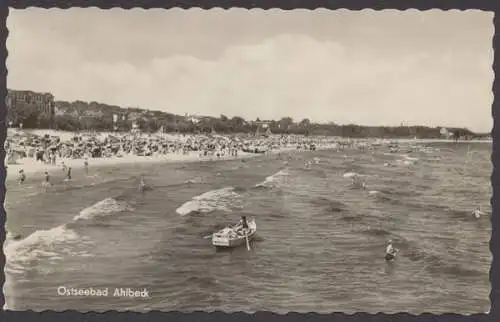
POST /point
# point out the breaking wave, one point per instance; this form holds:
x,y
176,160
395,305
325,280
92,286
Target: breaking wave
x,y
219,199
350,174
104,207
43,246
272,180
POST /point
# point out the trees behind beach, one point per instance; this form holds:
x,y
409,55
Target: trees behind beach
x,y
85,116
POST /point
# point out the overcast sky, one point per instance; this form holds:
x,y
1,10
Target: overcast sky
x,y
368,67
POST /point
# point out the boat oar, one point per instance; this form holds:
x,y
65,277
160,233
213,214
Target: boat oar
x,y
248,243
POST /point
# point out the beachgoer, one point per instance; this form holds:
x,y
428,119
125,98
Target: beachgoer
x,y
86,166
390,251
358,182
39,156
68,174
142,184
22,176
243,222
477,212
46,184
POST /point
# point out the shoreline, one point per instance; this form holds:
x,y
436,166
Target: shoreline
x,y
34,168
439,141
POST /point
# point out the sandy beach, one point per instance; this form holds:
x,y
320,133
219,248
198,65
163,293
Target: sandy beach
x,y
36,169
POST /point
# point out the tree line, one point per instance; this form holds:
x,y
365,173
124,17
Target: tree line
x,y
84,116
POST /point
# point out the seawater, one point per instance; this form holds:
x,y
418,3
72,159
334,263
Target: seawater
x,y
320,242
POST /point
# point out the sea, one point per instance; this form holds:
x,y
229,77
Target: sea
x,y
320,239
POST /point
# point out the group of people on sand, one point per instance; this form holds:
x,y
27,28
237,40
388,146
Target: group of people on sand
x,y
47,148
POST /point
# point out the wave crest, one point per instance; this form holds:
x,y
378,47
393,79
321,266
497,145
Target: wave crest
x,y
272,180
219,199
43,245
104,207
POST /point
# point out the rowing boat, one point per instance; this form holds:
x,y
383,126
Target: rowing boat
x,y
234,236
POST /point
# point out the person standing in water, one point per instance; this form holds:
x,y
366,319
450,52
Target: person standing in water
x,y
477,212
47,178
390,251
142,184
46,183
86,166
68,174
357,182
22,176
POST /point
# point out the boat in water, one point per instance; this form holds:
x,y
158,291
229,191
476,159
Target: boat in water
x,y
234,236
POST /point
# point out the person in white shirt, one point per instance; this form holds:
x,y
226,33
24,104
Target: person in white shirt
x,y
477,212
390,251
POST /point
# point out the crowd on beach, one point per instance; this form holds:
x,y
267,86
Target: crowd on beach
x,y
53,149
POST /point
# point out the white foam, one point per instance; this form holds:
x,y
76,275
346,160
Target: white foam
x,y
272,179
43,245
219,199
410,158
104,207
350,174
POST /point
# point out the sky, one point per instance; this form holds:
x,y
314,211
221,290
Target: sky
x,y
364,67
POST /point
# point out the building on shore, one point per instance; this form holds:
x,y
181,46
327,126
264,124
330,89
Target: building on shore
x,y
263,126
43,102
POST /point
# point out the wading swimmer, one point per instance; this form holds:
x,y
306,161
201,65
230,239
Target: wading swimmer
x,y
357,182
390,251
86,166
46,183
142,184
22,176
477,212
68,175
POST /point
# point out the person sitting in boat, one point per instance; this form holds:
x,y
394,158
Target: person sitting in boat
x,y
390,251
243,222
